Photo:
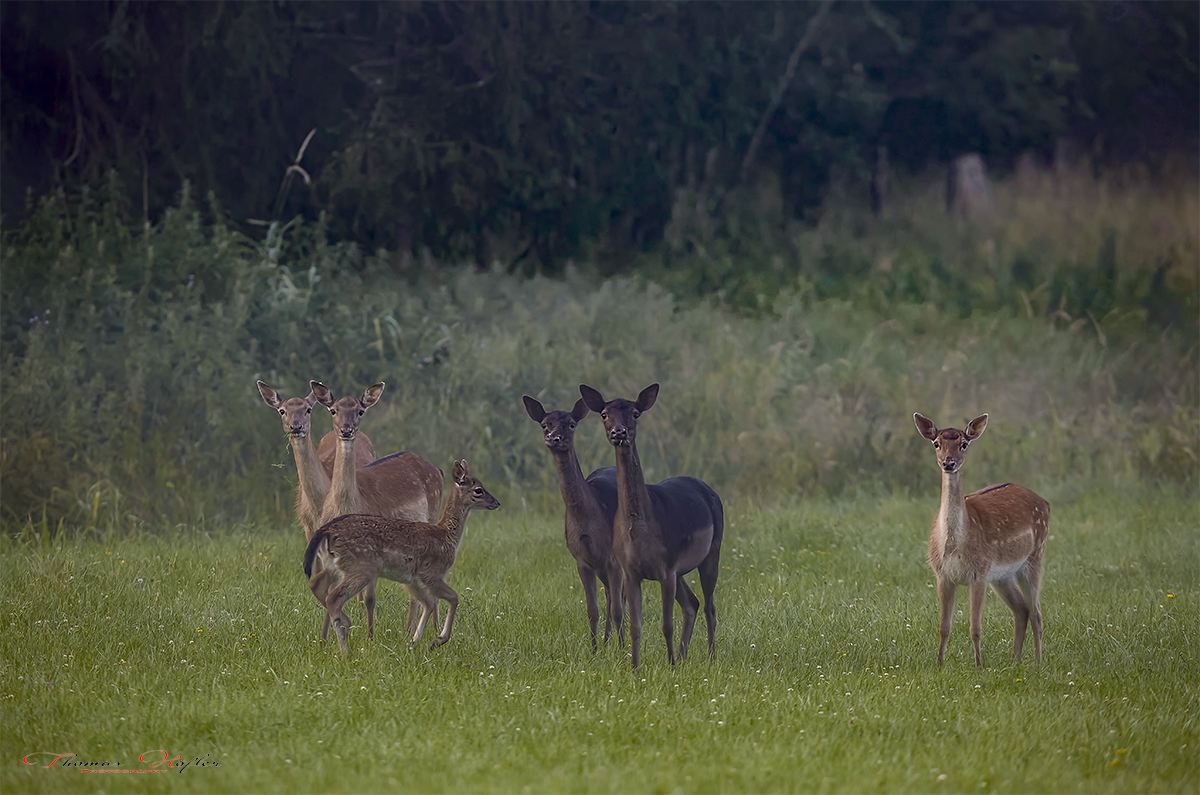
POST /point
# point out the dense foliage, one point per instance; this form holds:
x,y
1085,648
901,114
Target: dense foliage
x,y
129,353
527,133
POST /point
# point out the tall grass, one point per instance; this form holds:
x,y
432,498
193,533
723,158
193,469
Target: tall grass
x,y
130,354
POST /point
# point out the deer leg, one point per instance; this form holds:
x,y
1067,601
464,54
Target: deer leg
x,y
414,611
319,585
1030,582
708,570
614,594
668,622
444,591
635,619
588,578
1008,591
689,604
337,597
369,603
428,605
978,590
946,601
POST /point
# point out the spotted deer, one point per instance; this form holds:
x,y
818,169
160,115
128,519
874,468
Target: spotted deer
x,y
591,504
314,467
357,549
995,536
398,486
662,531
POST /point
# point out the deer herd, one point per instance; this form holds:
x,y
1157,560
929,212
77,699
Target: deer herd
x,y
367,517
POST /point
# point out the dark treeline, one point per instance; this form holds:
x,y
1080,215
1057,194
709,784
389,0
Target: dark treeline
x,y
526,133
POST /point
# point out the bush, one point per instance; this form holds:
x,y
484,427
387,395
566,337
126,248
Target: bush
x,y
130,355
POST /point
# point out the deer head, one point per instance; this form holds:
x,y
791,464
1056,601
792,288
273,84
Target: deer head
x,y
620,416
296,412
558,426
471,488
950,444
347,411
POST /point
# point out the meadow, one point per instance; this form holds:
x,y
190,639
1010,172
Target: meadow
x,y
205,645
155,601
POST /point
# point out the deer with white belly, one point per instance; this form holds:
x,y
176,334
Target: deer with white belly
x,y
995,536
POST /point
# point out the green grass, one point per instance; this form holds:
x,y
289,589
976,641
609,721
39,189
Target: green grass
x,y
825,677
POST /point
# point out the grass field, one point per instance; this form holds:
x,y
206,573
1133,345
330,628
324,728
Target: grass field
x,y
205,645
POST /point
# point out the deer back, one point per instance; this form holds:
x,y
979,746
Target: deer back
x,y
689,516
401,486
1009,521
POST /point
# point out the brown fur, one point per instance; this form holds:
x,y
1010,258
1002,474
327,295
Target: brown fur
x,y
403,486
358,549
995,536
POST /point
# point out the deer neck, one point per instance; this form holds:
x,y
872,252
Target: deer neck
x,y
454,517
633,500
952,514
343,489
576,493
314,483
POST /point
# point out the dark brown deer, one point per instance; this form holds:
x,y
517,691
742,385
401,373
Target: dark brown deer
x,y
399,486
358,549
660,532
994,536
591,504
314,467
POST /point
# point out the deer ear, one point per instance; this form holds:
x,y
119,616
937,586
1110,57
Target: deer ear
x,y
322,393
580,411
975,427
372,394
647,397
269,395
460,471
592,398
925,427
536,411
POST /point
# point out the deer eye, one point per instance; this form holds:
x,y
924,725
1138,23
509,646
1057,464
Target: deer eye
x,y
636,414
281,412
309,411
361,412
964,445
604,415
936,445
571,425
478,491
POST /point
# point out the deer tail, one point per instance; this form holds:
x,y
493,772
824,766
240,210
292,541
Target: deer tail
x,y
311,553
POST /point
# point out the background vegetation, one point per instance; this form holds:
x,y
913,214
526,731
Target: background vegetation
x,y
528,133
130,354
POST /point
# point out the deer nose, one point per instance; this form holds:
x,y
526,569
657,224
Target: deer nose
x,y
948,465
619,433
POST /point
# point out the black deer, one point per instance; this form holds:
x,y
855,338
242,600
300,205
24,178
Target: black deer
x,y
591,505
660,532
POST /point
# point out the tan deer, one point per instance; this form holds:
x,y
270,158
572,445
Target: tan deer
x,y
397,486
314,467
357,549
995,536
